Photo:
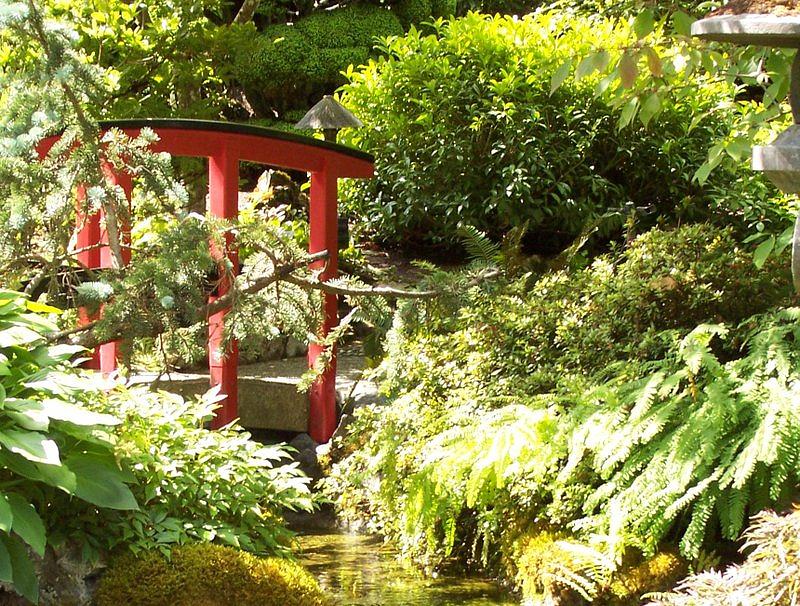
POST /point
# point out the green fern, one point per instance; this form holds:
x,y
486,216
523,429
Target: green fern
x,y
479,247
700,441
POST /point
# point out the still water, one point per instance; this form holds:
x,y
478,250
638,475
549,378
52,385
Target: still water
x,y
361,570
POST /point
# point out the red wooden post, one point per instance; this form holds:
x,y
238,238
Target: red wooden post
x,y
324,236
223,186
88,227
110,352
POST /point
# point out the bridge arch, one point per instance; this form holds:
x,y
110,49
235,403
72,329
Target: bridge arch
x,y
226,144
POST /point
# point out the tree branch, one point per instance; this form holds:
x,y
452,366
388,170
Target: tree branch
x,y
382,291
247,11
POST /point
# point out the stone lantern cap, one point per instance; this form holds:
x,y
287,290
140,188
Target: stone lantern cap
x,y
750,29
328,114
780,160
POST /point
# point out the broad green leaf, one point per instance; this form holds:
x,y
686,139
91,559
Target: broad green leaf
x,y
32,420
592,63
682,23
18,335
654,62
628,112
27,523
32,445
738,149
6,516
763,251
41,308
644,23
6,569
64,411
559,76
53,475
23,572
99,483
650,107
784,240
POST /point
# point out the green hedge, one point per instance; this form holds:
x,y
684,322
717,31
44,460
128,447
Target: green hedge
x,y
466,131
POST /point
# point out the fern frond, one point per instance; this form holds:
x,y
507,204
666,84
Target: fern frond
x,y
478,246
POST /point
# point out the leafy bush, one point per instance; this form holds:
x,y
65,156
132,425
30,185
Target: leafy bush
x,y
52,446
97,465
769,575
620,307
695,444
202,575
192,484
587,401
467,129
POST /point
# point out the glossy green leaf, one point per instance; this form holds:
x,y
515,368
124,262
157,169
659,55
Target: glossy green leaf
x,y
99,483
6,568
559,76
682,23
64,411
32,445
650,107
27,523
26,583
644,23
6,515
18,335
763,251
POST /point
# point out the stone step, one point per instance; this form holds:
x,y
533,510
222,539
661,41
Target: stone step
x,y
268,396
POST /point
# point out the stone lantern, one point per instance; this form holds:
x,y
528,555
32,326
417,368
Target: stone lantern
x,y
330,116
780,160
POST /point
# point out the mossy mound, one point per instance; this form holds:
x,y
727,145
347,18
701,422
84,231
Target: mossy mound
x,y
357,25
290,66
207,575
552,566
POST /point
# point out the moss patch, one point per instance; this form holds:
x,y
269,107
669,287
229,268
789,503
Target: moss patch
x,y
207,575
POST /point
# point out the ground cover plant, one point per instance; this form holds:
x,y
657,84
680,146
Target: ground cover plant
x,y
208,574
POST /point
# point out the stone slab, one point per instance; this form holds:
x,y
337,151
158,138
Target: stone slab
x,y
756,30
268,396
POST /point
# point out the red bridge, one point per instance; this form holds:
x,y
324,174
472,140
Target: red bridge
x,y
225,145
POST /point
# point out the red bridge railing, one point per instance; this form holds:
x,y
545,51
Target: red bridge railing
x,y
225,145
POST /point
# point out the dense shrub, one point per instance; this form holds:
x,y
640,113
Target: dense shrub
x,y
53,447
587,401
206,575
466,130
192,483
617,308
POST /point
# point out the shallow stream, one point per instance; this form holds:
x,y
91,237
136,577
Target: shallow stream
x,y
361,570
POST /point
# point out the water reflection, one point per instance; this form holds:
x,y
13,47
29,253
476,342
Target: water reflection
x,y
362,571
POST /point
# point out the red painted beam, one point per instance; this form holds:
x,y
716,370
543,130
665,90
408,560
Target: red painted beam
x,y
88,236
323,218
223,362
109,353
